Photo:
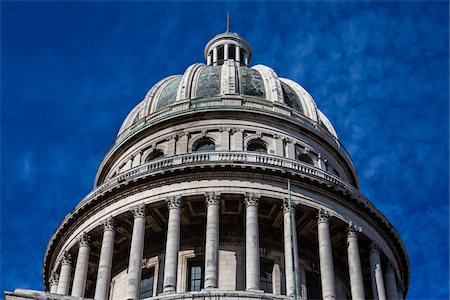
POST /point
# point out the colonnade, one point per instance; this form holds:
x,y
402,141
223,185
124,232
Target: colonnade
x,y
383,284
213,59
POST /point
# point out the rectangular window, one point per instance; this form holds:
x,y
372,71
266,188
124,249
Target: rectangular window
x,y
265,282
195,276
147,279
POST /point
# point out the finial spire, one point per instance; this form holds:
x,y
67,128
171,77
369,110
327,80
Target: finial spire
x,y
228,21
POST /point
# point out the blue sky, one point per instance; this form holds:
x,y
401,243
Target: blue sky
x,y
70,73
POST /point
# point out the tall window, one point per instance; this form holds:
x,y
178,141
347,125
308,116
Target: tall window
x,y
265,282
204,144
147,283
195,276
257,146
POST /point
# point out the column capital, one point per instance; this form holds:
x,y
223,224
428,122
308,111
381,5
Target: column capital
x,y
212,198
84,240
174,202
108,224
374,248
323,216
66,258
54,278
251,199
353,230
390,267
286,207
138,211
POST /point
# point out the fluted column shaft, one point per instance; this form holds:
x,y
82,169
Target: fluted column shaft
x,y
105,262
172,244
391,286
64,275
136,252
376,273
54,278
252,261
81,268
290,250
354,263
212,239
326,257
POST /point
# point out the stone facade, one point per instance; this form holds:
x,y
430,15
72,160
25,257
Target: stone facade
x,y
192,199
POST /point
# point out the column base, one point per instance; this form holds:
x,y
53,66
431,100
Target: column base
x,y
254,290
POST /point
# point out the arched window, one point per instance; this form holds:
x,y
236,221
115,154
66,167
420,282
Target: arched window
x,y
154,155
204,144
305,158
257,146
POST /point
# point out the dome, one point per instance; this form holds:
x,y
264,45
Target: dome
x,y
226,182
200,81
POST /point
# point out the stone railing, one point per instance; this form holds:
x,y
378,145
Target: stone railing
x,y
243,103
222,158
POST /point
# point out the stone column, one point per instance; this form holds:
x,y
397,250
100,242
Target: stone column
x,y
225,51
246,59
252,261
354,263
172,244
81,268
400,290
291,250
136,252
378,290
237,140
238,54
171,145
212,200
215,56
391,286
64,275
208,59
326,256
105,262
290,149
54,278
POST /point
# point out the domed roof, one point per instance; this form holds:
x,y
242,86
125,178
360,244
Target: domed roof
x,y
227,73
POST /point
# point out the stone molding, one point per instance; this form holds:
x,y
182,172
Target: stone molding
x,y
138,211
174,202
66,259
323,216
84,240
212,198
390,267
109,224
286,208
251,199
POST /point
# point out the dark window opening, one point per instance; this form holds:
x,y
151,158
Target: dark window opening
x,y
155,154
305,158
335,172
232,51
257,146
314,290
147,279
195,275
204,144
266,282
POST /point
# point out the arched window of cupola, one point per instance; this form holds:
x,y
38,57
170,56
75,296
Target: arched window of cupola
x,y
257,146
305,158
154,155
204,144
